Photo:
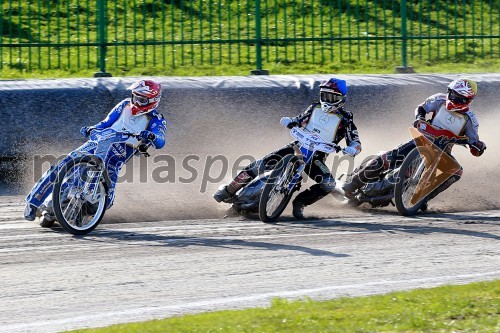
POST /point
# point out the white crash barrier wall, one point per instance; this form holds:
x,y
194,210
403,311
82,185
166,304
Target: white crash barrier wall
x,y
41,115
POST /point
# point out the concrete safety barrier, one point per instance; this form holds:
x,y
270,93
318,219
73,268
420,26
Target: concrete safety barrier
x,y
38,116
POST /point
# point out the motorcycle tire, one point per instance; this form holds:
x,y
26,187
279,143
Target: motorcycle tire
x,y
284,170
61,204
406,184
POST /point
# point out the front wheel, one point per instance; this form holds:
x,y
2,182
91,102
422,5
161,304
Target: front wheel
x,y
408,177
277,192
79,196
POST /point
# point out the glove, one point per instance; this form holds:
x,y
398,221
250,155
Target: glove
x,y
288,122
477,148
415,123
143,149
351,151
85,130
147,136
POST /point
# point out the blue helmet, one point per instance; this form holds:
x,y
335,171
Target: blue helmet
x,y
332,94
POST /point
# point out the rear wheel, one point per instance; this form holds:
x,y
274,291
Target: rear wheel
x,y
79,196
409,175
276,193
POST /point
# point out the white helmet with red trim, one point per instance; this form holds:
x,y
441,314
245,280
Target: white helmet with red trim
x,y
146,95
461,92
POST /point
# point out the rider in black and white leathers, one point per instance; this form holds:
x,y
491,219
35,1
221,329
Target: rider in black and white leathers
x,y
332,122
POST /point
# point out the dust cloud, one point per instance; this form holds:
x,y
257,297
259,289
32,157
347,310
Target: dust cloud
x,y
207,139
233,135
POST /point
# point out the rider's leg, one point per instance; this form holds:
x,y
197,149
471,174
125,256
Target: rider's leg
x,y
43,188
114,165
380,163
227,192
325,185
113,177
450,181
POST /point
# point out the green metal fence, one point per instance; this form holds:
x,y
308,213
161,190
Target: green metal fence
x,y
115,36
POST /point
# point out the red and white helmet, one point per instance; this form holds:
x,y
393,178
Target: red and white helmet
x,y
146,95
461,92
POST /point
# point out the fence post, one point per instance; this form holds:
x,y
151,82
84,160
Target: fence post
x,y
102,38
404,39
258,42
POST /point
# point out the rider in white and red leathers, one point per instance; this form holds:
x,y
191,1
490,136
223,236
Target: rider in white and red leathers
x,y
137,114
449,111
332,122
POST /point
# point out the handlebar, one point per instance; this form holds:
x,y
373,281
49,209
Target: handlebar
x,y
428,129
143,145
314,140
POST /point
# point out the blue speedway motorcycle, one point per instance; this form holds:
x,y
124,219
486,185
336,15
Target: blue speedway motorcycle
x,y
286,177
84,189
270,193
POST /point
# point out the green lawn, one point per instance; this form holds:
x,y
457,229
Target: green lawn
x,y
464,308
59,38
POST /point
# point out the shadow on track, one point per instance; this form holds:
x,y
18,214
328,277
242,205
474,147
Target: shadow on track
x,y
347,226
103,235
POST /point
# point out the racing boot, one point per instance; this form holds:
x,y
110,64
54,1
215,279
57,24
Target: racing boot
x,y
222,194
453,179
306,198
226,193
47,219
30,212
363,176
351,187
298,209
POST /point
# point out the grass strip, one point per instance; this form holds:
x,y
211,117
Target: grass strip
x,y
464,308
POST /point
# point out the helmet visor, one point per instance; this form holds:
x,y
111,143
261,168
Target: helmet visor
x,y
329,97
456,98
139,100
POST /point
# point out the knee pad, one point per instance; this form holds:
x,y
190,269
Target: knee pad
x,y
372,169
327,184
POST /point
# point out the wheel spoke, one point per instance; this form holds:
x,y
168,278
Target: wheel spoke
x,y
82,198
274,202
277,191
410,182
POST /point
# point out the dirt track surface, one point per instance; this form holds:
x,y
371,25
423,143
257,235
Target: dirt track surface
x,y
52,281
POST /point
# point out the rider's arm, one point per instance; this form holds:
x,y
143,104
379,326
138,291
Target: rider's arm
x,y
431,104
303,118
113,115
352,136
420,113
300,120
471,130
158,125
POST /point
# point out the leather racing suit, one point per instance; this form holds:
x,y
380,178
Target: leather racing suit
x,y
463,124
332,127
120,118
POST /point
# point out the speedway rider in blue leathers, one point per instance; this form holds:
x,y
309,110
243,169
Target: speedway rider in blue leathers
x,y
137,114
448,111
332,122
